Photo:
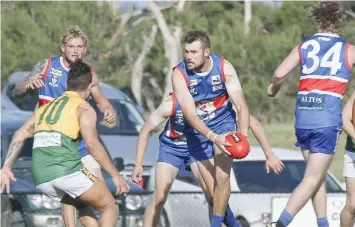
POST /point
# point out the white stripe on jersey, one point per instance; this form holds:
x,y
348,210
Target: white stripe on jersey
x,y
45,97
321,92
320,77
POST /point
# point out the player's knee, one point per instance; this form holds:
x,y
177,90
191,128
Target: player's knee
x,y
223,180
160,197
111,205
312,182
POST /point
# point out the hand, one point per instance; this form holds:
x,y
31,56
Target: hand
x,y
274,163
272,89
6,176
34,84
220,141
110,116
137,173
121,184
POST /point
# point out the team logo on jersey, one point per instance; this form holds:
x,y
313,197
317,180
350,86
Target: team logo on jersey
x,y
180,141
309,99
193,82
54,81
56,72
179,113
179,121
217,87
216,80
193,90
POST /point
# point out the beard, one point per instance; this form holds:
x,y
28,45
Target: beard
x,y
196,67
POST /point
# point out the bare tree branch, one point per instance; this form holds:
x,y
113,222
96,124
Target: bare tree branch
x,y
247,15
171,44
138,69
150,102
180,6
154,84
350,13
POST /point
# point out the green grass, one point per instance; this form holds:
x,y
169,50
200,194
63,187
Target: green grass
x,y
283,135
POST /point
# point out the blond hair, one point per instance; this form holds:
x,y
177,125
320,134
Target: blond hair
x,y
72,33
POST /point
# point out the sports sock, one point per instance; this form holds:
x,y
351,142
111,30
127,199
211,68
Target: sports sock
x,y
216,221
323,222
229,219
285,218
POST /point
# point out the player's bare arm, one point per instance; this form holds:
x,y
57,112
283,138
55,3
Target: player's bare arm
x,y
32,81
347,114
155,119
188,107
87,120
236,95
272,161
101,101
26,131
284,68
351,55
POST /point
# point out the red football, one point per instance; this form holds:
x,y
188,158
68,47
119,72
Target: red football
x,y
240,146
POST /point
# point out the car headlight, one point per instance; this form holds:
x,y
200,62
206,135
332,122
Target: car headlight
x,y
38,201
134,202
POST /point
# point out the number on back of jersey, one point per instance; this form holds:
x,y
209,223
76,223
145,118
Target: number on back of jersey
x,y
331,58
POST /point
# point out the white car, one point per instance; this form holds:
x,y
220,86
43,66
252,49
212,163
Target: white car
x,y
257,198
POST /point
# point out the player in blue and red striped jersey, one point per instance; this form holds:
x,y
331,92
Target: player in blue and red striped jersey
x,y
208,82
326,62
50,76
174,154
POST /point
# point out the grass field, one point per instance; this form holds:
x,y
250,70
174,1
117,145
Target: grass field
x,y
282,135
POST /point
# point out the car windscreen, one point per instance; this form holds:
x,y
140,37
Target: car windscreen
x,y
251,176
128,119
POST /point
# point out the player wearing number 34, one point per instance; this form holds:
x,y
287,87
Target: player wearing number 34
x,y
326,62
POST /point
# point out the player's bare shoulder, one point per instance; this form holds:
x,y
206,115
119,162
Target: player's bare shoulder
x,y
351,55
229,70
166,106
232,80
86,110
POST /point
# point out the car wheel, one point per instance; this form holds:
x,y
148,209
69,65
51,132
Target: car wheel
x,y
163,221
242,221
17,219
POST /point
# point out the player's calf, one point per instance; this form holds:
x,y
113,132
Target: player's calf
x,y
101,198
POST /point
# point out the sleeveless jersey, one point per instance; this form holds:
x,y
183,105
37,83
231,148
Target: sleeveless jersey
x,y
172,136
56,139
55,79
210,94
325,72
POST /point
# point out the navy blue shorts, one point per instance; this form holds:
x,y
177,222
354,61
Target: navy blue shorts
x,y
320,140
205,150
177,159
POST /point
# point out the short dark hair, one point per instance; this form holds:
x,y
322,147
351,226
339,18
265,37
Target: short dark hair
x,y
198,35
329,16
79,76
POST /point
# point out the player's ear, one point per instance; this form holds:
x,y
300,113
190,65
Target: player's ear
x,y
207,52
62,48
90,86
84,50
